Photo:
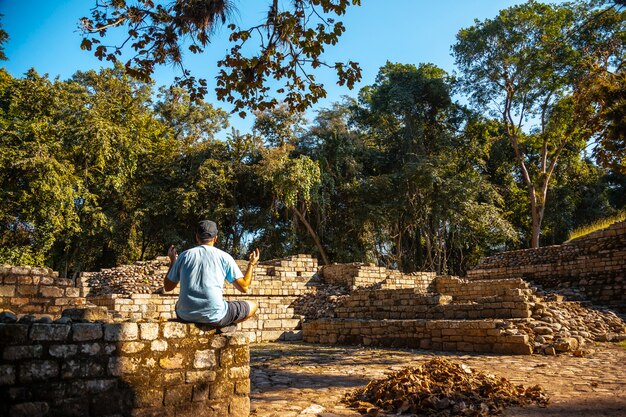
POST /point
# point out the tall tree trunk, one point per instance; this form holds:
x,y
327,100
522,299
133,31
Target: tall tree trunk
x,y
316,238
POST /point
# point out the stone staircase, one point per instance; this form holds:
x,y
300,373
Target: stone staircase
x,y
447,313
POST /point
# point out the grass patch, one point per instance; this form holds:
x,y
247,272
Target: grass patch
x,y
599,225
622,344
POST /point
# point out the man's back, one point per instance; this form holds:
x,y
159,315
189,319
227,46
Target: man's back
x,y
201,272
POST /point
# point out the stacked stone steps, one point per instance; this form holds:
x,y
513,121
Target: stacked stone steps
x,y
410,304
357,275
449,313
446,335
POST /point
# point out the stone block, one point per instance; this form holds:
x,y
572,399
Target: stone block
x,y
200,392
75,368
132,347
242,386
117,332
96,386
204,359
7,290
174,330
172,362
38,370
63,351
173,378
13,353
193,377
221,388
178,395
148,397
158,345
30,409
49,332
239,406
72,292
148,331
120,365
239,372
72,407
90,349
7,375
237,339
51,292
28,290
86,331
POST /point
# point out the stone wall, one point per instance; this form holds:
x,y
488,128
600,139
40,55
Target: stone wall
x,y
409,304
594,266
36,291
447,335
358,275
276,287
123,369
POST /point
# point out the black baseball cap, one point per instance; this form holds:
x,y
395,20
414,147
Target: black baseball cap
x,y
206,229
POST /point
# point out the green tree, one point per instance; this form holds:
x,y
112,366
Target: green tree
x,y
525,66
4,37
37,179
291,42
429,206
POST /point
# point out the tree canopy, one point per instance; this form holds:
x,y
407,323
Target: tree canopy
x,y
289,46
101,169
528,67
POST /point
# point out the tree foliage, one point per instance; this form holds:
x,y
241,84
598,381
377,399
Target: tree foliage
x,y
528,66
290,43
100,169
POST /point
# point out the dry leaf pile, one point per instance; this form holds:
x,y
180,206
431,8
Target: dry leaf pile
x,y
442,388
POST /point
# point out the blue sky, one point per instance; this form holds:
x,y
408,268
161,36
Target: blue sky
x,y
43,35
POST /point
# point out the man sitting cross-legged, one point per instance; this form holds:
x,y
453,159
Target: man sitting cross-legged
x,y
201,272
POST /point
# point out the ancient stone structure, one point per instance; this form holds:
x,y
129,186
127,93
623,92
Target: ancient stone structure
x,y
501,316
459,317
86,369
592,267
277,286
28,290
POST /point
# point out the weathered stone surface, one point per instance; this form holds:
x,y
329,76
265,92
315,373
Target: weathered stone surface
x,y
204,359
158,345
13,353
49,332
7,375
86,331
14,334
149,331
121,332
7,317
567,344
88,314
192,377
178,395
132,347
32,409
38,370
172,362
174,330
63,351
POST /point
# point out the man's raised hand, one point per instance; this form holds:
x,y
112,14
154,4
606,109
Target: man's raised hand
x,y
254,256
172,254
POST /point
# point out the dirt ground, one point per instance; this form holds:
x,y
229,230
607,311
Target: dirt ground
x,y
298,379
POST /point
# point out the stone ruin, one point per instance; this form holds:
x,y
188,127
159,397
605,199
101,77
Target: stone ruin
x,y
108,342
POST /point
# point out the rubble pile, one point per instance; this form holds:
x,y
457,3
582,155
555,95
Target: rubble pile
x,y
321,303
143,277
442,388
560,326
